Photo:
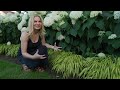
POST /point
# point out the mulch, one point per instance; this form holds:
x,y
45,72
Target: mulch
x,y
10,59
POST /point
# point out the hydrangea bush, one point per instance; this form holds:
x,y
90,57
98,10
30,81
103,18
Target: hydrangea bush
x,y
73,30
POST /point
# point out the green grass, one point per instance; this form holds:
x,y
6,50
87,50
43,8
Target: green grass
x,y
10,70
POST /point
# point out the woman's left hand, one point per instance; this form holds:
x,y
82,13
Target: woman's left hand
x,y
56,48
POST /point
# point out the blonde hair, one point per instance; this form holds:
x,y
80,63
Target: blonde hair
x,y
30,24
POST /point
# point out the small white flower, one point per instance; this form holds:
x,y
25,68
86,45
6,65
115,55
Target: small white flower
x,y
73,21
112,36
100,33
8,43
101,55
61,37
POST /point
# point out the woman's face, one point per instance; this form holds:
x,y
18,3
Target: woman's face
x,y
37,23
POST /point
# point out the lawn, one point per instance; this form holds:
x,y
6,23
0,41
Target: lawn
x,y
9,70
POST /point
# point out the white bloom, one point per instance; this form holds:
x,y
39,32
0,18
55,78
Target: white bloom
x,y
57,17
23,22
13,18
1,18
73,21
101,55
6,19
22,12
8,43
61,37
25,17
31,13
75,14
63,13
55,12
48,21
100,33
61,23
116,14
2,13
95,13
112,36
41,12
20,26
24,29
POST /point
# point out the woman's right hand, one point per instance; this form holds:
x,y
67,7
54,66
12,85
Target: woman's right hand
x,y
37,56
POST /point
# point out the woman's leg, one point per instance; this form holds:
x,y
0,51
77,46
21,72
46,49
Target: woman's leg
x,y
43,51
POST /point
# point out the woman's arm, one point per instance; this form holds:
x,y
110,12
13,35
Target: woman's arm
x,y
48,45
24,42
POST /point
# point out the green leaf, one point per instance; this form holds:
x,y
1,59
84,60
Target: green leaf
x,y
58,34
77,25
82,47
116,43
100,24
92,33
67,39
108,33
117,29
73,32
63,45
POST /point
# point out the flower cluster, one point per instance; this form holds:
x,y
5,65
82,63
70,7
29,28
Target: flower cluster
x,y
112,36
95,13
101,55
116,14
75,15
101,33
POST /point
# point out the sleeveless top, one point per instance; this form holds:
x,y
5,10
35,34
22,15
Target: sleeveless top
x,y
31,47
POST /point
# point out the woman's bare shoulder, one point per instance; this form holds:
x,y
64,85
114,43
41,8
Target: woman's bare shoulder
x,y
24,35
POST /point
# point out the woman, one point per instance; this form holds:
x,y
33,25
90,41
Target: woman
x,y
33,53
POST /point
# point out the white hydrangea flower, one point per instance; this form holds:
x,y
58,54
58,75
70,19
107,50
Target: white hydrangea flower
x,y
100,33
55,12
22,12
116,14
24,29
75,14
30,13
61,23
25,17
41,12
101,55
13,18
63,13
6,19
48,21
57,17
61,37
2,13
73,21
95,13
1,18
112,36
20,26
8,43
